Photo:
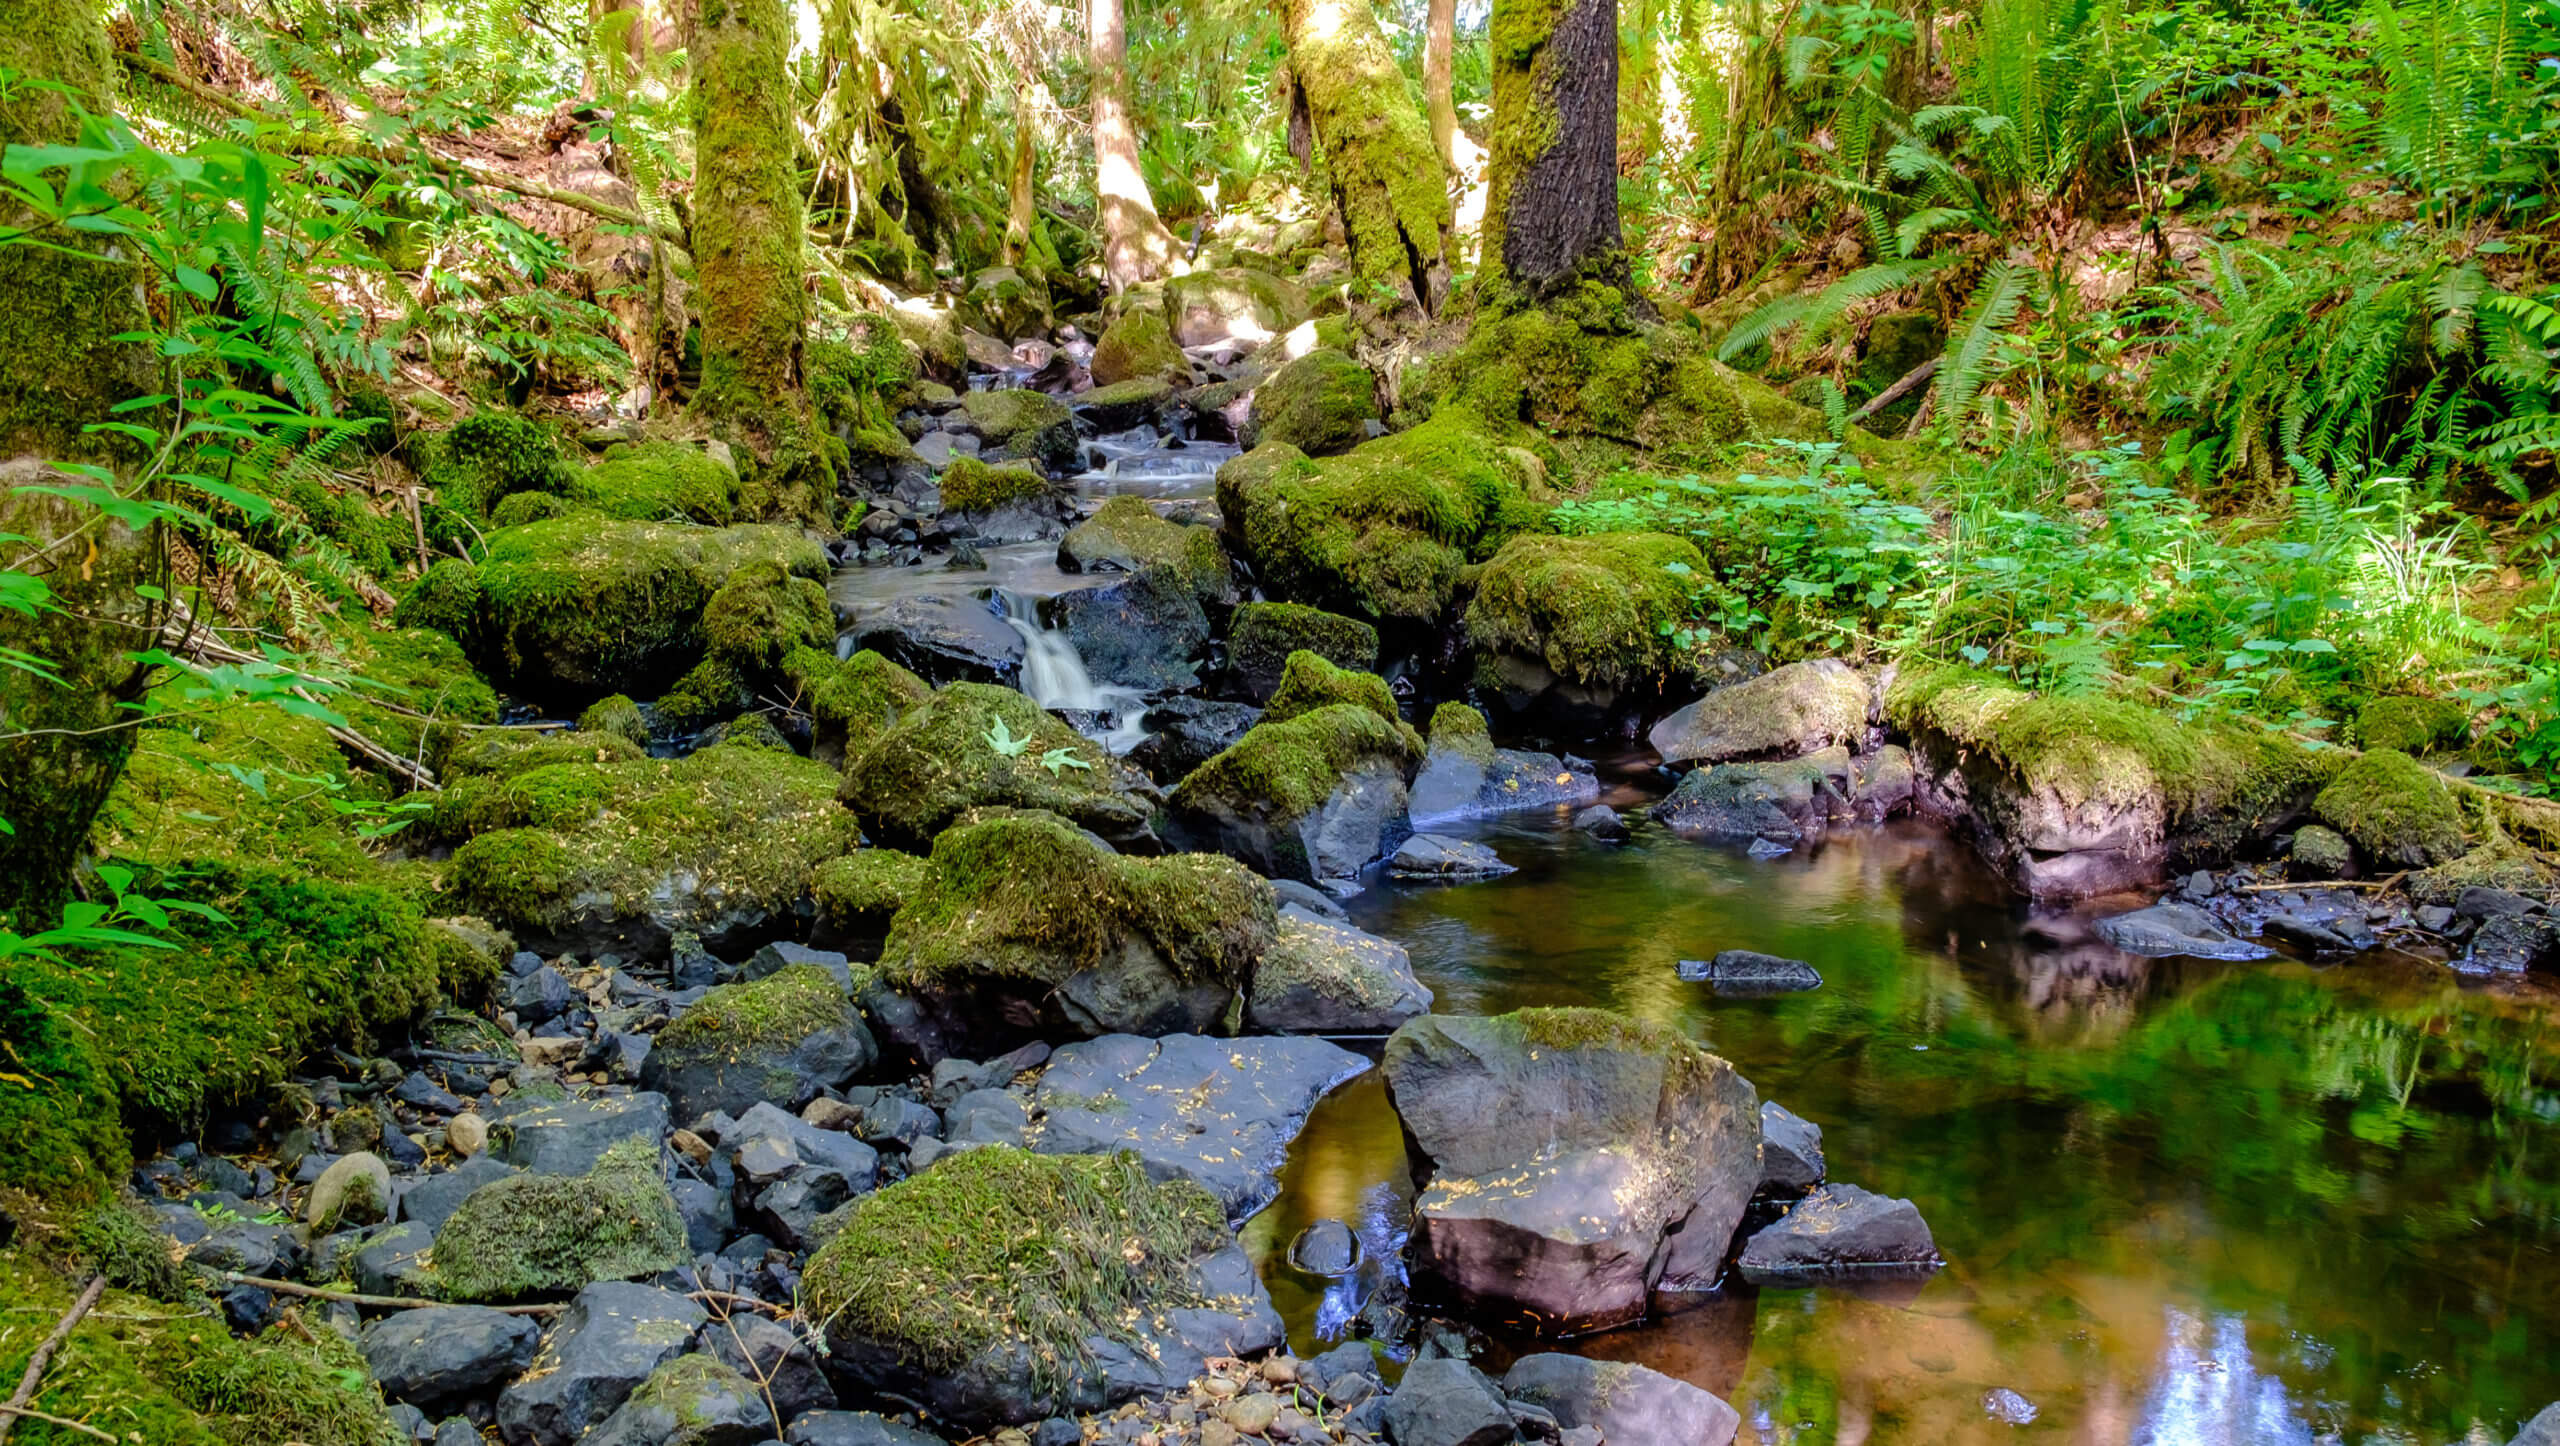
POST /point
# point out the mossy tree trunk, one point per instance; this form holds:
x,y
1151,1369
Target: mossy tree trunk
x,y
1387,180
1019,195
1439,51
748,235
61,368
1551,214
1136,246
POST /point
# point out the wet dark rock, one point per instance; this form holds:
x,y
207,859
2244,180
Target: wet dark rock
x,y
953,1078
417,1090
2477,904
854,1428
249,1248
1326,977
708,1212
1432,856
1183,733
1327,1247
1629,1405
432,1199
2320,936
567,1137
1447,1403
897,1120
1747,971
1790,1151
1602,822
2512,944
2320,853
1840,1228
2434,918
2169,930
1882,784
781,954
786,1038
538,997
393,1261
1218,1111
1145,630
1783,803
943,639
766,1351
438,1356
612,1337
988,1117
1452,785
690,1401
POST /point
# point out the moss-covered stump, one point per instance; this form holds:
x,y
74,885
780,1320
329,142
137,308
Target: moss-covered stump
x,y
1127,534
1312,798
1321,404
859,895
1026,927
786,1038
1115,1285
1583,367
1232,305
2400,813
1261,637
1584,625
1139,347
975,745
2078,796
660,482
530,1235
1381,531
582,857
1023,426
851,701
575,608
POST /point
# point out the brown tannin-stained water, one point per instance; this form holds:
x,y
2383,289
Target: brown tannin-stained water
x,y
2180,1202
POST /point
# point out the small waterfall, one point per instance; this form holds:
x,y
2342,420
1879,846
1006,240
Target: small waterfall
x,y
1053,673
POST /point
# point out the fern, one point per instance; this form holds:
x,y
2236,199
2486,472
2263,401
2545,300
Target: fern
x,y
1994,304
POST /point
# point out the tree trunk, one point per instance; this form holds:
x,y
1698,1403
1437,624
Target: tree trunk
x,y
1021,195
61,368
1639,87
1552,211
1439,49
1387,182
1136,246
747,233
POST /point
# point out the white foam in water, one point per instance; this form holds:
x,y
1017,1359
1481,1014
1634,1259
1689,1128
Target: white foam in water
x,y
1053,673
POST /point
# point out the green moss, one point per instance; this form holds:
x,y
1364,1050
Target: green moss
x,y
1136,395
1582,366
522,507
2412,725
1321,403
969,485
554,1234
1263,635
1293,766
744,825
852,701
413,672
487,457
506,753
1079,1242
660,481
1459,728
2396,809
680,1386
445,597
1596,610
1029,895
617,717
764,612
307,1387
61,1129
1577,1029
710,692
116,1239
788,1005
1387,180
1308,682
343,515
860,892
939,760
1126,533
1006,416
1139,346
853,379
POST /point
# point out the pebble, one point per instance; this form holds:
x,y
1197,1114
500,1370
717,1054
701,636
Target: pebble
x,y
1280,1370
1253,1415
466,1135
1218,1386
1216,1432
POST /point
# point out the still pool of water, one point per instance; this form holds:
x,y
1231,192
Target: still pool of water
x,y
2181,1202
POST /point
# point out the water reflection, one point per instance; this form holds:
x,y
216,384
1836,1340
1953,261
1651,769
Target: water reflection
x,y
2182,1202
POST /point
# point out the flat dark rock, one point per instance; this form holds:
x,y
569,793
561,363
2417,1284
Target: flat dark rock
x,y
2168,930
1746,971
1438,856
1840,1229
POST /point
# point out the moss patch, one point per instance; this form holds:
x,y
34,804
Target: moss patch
x,y
1292,767
1321,404
2412,725
1459,728
764,611
445,597
1263,635
861,892
782,1008
411,672
617,717
1308,682
1009,415
489,456
1128,534
1595,610
554,1234
941,759
969,485
1137,347
658,482
2396,809
998,1244
852,700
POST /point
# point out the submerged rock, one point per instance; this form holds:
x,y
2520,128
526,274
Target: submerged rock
x,y
2168,930
1787,712
1746,971
1840,1228
1321,976
1578,1160
1629,1405
1439,857
1327,1247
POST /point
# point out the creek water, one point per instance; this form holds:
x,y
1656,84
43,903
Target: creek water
x,y
2180,1202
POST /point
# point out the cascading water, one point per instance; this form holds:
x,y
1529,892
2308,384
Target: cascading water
x,y
1053,673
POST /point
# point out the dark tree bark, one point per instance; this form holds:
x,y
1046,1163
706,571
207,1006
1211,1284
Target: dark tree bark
x,y
1387,181
61,368
1552,211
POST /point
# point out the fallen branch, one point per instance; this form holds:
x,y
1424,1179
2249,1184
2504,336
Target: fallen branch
x,y
26,1392
9,1414
201,643
378,1302
1898,390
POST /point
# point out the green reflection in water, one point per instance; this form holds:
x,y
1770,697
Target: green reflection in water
x,y
2171,1192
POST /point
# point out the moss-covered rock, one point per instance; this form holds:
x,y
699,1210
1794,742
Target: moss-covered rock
x,y
1128,534
935,334
1022,424
489,456
976,745
1308,682
1234,304
1124,404
2400,812
694,1400
1382,531
1594,616
1784,713
851,701
629,854
859,894
445,597
505,753
1311,798
1139,347
519,508
1002,302
1583,367
616,716
762,613
418,697
578,606
2412,725
711,692
1263,635
783,1038
970,485
1325,978
1026,925
2082,795
661,481
1321,404
1094,1251
530,1235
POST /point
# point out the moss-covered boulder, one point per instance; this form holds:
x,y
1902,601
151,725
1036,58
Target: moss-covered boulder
x,y
580,607
1262,635
2075,796
1027,927
1313,798
1320,977
786,1038
1784,713
761,613
851,701
616,715
485,458
660,482
859,895
695,1400
1584,623
413,692
1232,306
1126,533
1002,302
1322,403
1139,347
2412,725
1308,682
970,485
2399,812
580,856
1122,405
1022,425
1116,1286
501,754
976,745
1382,531
532,1235
1583,367
446,597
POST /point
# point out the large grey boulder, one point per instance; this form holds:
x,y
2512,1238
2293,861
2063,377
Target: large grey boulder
x,y
1315,797
1577,1159
1627,1404
2542,1430
1784,713
612,1337
443,1354
943,639
1840,1229
2167,930
1446,1402
1323,977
